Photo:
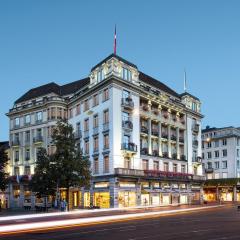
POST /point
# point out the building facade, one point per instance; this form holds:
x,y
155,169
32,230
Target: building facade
x,y
142,138
221,159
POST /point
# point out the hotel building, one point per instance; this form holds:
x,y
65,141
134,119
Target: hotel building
x,y
142,138
221,159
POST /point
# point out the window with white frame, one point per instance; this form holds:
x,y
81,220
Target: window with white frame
x,y
126,74
224,152
224,164
224,142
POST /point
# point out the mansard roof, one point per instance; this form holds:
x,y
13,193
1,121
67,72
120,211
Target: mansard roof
x,y
53,88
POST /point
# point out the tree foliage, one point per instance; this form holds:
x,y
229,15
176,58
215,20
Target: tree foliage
x,y
65,168
3,164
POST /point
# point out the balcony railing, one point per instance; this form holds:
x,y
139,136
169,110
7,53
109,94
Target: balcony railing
x,y
173,137
197,159
144,151
129,172
128,103
165,135
155,152
155,132
167,175
165,154
131,147
174,156
196,127
127,124
198,178
144,129
38,139
209,170
183,157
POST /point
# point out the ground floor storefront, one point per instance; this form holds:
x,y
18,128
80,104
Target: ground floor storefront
x,y
222,193
106,192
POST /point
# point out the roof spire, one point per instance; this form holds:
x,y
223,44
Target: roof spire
x,y
185,81
115,41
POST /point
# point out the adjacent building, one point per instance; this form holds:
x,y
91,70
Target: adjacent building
x,y
143,139
221,158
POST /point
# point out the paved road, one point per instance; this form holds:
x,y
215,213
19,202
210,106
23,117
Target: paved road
x,y
212,224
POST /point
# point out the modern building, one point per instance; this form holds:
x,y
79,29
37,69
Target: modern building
x,y
4,196
142,138
221,158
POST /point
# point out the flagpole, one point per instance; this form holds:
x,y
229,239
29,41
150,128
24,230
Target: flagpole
x,y
185,81
115,41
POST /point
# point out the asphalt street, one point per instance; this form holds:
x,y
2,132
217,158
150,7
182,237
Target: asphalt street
x,y
212,224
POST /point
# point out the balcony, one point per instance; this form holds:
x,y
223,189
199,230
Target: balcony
x,y
195,143
165,155
129,172
181,139
167,175
144,151
38,139
209,170
155,132
129,147
174,156
183,157
173,137
144,129
78,134
128,103
165,135
155,153
199,178
197,160
127,124
195,127
15,143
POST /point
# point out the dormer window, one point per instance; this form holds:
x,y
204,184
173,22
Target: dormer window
x,y
100,75
126,74
194,106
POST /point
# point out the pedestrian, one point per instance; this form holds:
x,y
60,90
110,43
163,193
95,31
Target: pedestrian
x,y
62,205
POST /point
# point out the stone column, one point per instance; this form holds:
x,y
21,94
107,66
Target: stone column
x,y
138,194
235,193
149,136
169,142
177,133
159,138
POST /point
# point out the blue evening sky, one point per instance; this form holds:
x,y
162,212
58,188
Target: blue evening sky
x,y
44,41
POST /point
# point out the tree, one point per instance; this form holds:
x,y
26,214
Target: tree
x,y
43,182
3,164
73,170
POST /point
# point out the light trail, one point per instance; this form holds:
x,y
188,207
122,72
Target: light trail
x,y
50,225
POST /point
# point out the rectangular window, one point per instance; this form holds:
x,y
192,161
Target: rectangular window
x,y
166,167
27,155
95,100
224,142
209,144
183,169
224,164
175,168
27,170
39,116
86,147
216,165
16,171
216,154
156,165
106,141
100,75
238,164
126,74
238,153
70,113
145,164
202,155
78,110
105,95
95,121
209,155
217,143
16,156
86,105
17,122
224,152
96,166
27,137
106,164
86,124
105,116
95,144
27,119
